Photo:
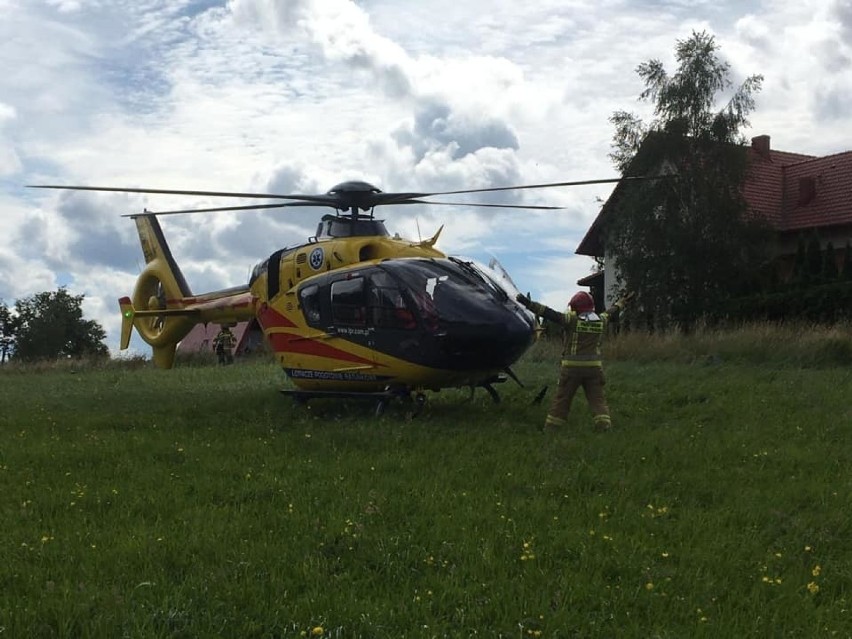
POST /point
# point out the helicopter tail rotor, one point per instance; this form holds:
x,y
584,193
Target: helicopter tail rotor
x,y
153,295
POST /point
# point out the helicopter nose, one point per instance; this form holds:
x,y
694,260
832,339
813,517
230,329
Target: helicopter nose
x,y
487,344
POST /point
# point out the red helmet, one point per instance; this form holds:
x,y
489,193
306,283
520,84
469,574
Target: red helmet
x,y
582,302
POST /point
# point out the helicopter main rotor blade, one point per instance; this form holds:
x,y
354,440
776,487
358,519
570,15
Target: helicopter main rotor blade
x,y
326,200
248,207
398,198
479,205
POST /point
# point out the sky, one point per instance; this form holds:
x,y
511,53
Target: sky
x,y
289,96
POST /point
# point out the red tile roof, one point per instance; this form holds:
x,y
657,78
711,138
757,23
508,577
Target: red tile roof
x,y
828,180
764,186
792,191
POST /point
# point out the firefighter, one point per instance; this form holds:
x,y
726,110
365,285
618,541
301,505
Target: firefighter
x,y
223,344
582,334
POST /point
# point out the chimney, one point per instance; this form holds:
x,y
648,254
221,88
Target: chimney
x,y
760,143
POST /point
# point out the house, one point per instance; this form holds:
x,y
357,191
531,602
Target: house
x,y
249,337
795,193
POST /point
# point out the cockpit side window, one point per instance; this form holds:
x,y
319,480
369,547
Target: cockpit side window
x,y
310,299
387,306
349,302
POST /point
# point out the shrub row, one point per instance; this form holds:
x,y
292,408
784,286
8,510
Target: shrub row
x,y
821,304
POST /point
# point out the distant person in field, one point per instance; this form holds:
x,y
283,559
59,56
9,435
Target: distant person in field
x,y
223,344
582,334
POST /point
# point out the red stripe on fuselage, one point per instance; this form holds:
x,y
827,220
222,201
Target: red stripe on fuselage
x,y
270,318
287,342
290,343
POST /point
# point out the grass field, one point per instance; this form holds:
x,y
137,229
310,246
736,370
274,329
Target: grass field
x,y
199,502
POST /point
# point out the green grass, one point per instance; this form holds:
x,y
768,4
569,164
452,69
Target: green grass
x,y
199,502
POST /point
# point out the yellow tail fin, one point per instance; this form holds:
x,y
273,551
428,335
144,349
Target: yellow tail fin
x,y
126,321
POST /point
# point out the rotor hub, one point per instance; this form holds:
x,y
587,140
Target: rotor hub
x,y
354,195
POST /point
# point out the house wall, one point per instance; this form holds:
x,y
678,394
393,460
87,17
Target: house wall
x,y
610,281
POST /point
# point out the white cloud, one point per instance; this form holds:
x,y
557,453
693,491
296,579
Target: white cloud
x,y
753,31
10,163
65,6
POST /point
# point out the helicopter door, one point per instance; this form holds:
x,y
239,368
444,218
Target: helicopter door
x,y
350,320
349,303
387,307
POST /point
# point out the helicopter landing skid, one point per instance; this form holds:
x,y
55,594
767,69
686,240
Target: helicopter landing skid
x,y
382,398
489,388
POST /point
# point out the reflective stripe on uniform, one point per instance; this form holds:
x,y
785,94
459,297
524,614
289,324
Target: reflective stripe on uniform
x,y
551,420
602,423
575,339
588,363
590,327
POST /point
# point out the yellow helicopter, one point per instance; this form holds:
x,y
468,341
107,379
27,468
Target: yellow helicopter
x,y
352,312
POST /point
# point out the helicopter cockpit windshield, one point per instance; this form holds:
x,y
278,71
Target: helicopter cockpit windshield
x,y
450,290
470,316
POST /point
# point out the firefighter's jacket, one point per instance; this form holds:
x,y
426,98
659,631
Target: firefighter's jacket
x,y
582,333
225,340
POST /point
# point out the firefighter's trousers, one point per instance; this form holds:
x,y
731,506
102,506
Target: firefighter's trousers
x,y
571,378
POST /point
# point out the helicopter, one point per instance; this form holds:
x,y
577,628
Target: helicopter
x,y
351,312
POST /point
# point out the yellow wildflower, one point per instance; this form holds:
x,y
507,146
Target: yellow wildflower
x,y
813,587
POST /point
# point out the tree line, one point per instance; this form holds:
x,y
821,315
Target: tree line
x,y
49,325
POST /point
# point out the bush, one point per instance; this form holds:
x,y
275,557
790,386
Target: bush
x,y
822,304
